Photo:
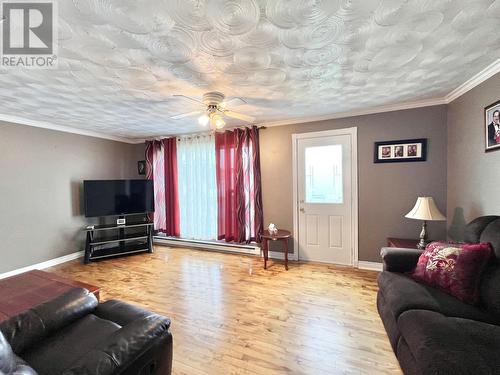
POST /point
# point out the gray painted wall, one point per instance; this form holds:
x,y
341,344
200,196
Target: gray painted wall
x,y
386,191
40,189
473,174
42,170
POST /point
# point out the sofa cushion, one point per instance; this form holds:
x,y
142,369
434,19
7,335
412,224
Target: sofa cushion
x,y
490,290
491,234
490,285
454,268
58,352
388,319
406,359
144,339
475,228
401,293
444,345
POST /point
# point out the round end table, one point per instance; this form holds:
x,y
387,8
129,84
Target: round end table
x,y
283,236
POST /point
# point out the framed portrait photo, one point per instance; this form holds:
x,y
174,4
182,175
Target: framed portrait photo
x,y
492,126
405,150
141,167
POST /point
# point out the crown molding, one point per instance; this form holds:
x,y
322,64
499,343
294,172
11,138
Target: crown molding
x,y
135,141
476,80
66,129
367,111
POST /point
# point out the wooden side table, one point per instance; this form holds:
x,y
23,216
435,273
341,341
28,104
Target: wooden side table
x,y
283,236
405,243
26,290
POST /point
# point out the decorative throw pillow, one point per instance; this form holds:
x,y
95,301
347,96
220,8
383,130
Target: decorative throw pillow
x,y
454,268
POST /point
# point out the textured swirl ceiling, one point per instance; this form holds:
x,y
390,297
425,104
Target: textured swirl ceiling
x,y
121,61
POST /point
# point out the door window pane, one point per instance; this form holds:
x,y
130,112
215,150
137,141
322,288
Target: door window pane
x,y
324,174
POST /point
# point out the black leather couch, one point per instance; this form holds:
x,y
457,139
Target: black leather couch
x,y
75,335
432,332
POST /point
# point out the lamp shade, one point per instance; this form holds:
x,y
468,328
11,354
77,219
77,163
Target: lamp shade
x,y
425,209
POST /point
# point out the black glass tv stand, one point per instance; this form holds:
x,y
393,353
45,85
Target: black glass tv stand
x,y
111,240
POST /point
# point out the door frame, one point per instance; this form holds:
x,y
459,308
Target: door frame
x,y
353,132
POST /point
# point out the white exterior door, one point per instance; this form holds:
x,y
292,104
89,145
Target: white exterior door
x,y
324,206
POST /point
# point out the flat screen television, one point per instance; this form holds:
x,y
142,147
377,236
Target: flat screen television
x,y
117,197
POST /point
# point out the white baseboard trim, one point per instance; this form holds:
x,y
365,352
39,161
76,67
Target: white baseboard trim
x,y
372,266
248,249
43,265
207,245
231,248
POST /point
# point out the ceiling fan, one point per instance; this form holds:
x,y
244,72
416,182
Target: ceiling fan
x,y
214,109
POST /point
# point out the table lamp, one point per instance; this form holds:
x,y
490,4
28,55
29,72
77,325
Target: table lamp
x,y
425,209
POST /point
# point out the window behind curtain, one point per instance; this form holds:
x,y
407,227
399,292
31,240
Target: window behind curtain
x,y
197,187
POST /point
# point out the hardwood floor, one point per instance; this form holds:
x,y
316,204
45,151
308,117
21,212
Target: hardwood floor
x,y
230,316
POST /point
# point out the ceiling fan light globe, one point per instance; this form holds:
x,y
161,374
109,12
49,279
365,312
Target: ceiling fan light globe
x,y
219,123
203,120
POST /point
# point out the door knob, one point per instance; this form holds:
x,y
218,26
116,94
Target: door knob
x,y
302,209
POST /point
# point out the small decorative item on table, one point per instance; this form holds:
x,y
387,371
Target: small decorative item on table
x,y
276,235
272,229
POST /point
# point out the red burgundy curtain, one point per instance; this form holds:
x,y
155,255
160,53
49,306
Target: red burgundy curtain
x,y
240,216
172,223
161,167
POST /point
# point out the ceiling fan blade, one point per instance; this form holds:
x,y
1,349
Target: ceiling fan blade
x,y
234,102
189,98
183,115
239,116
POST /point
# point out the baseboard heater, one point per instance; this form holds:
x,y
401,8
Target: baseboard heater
x,y
207,245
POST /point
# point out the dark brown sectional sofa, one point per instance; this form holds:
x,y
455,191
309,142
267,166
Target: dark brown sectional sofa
x,y
433,333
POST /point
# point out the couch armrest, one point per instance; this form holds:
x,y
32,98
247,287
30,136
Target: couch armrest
x,y
399,260
143,346
121,313
11,363
31,326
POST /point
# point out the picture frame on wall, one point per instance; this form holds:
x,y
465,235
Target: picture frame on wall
x,y
492,126
141,167
400,151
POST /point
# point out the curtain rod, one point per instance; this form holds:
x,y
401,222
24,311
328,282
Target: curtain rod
x,y
262,127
